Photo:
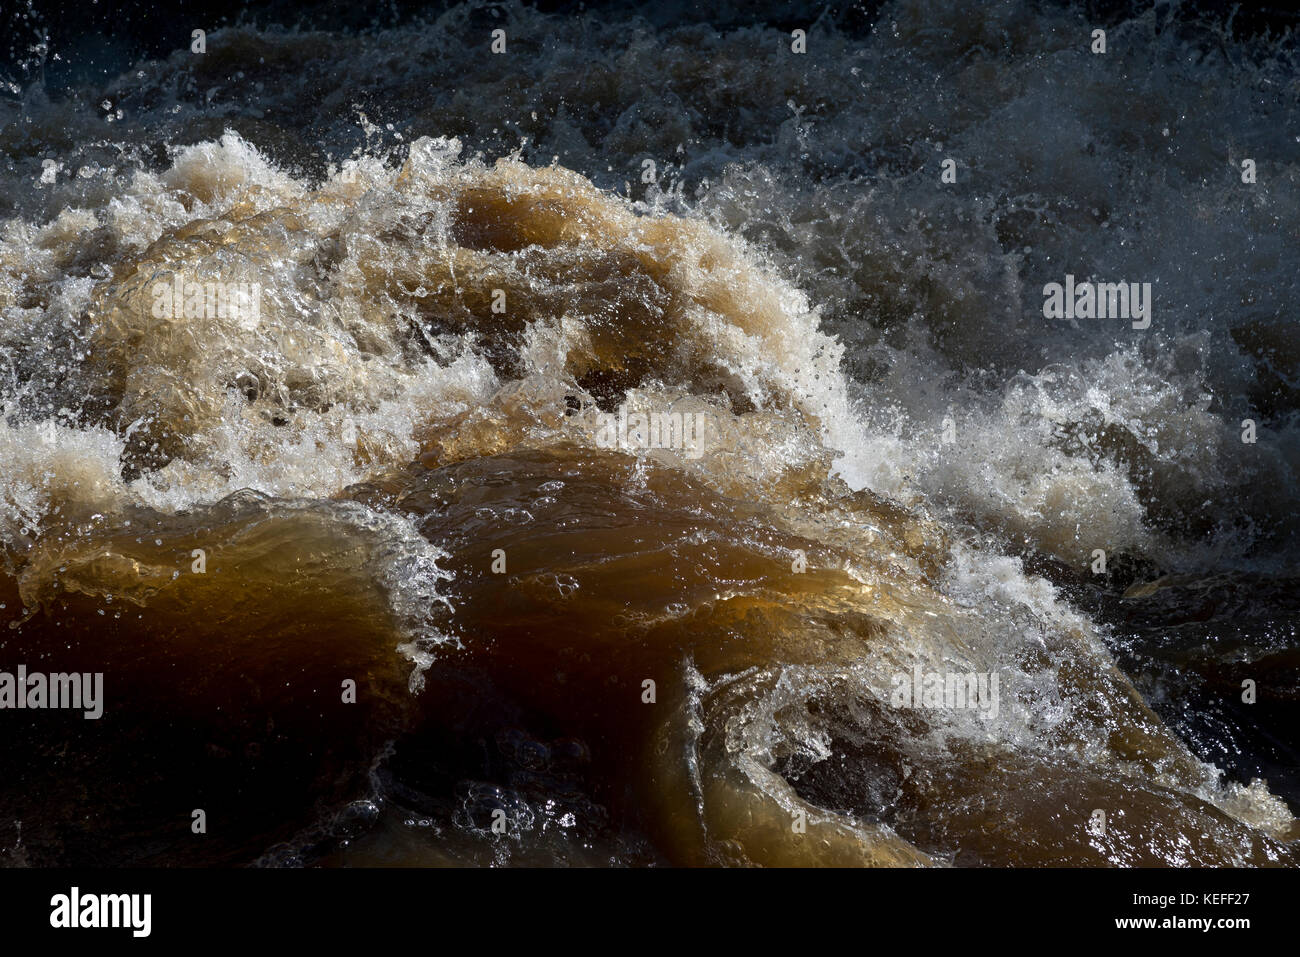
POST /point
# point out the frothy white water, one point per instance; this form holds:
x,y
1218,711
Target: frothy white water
x,y
1067,435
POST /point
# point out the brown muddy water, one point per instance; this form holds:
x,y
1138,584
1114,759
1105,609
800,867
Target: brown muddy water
x,y
429,488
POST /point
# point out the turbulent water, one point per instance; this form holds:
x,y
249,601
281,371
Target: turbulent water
x,y
397,473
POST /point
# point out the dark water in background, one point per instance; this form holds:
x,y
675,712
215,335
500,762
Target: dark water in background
x,y
868,346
